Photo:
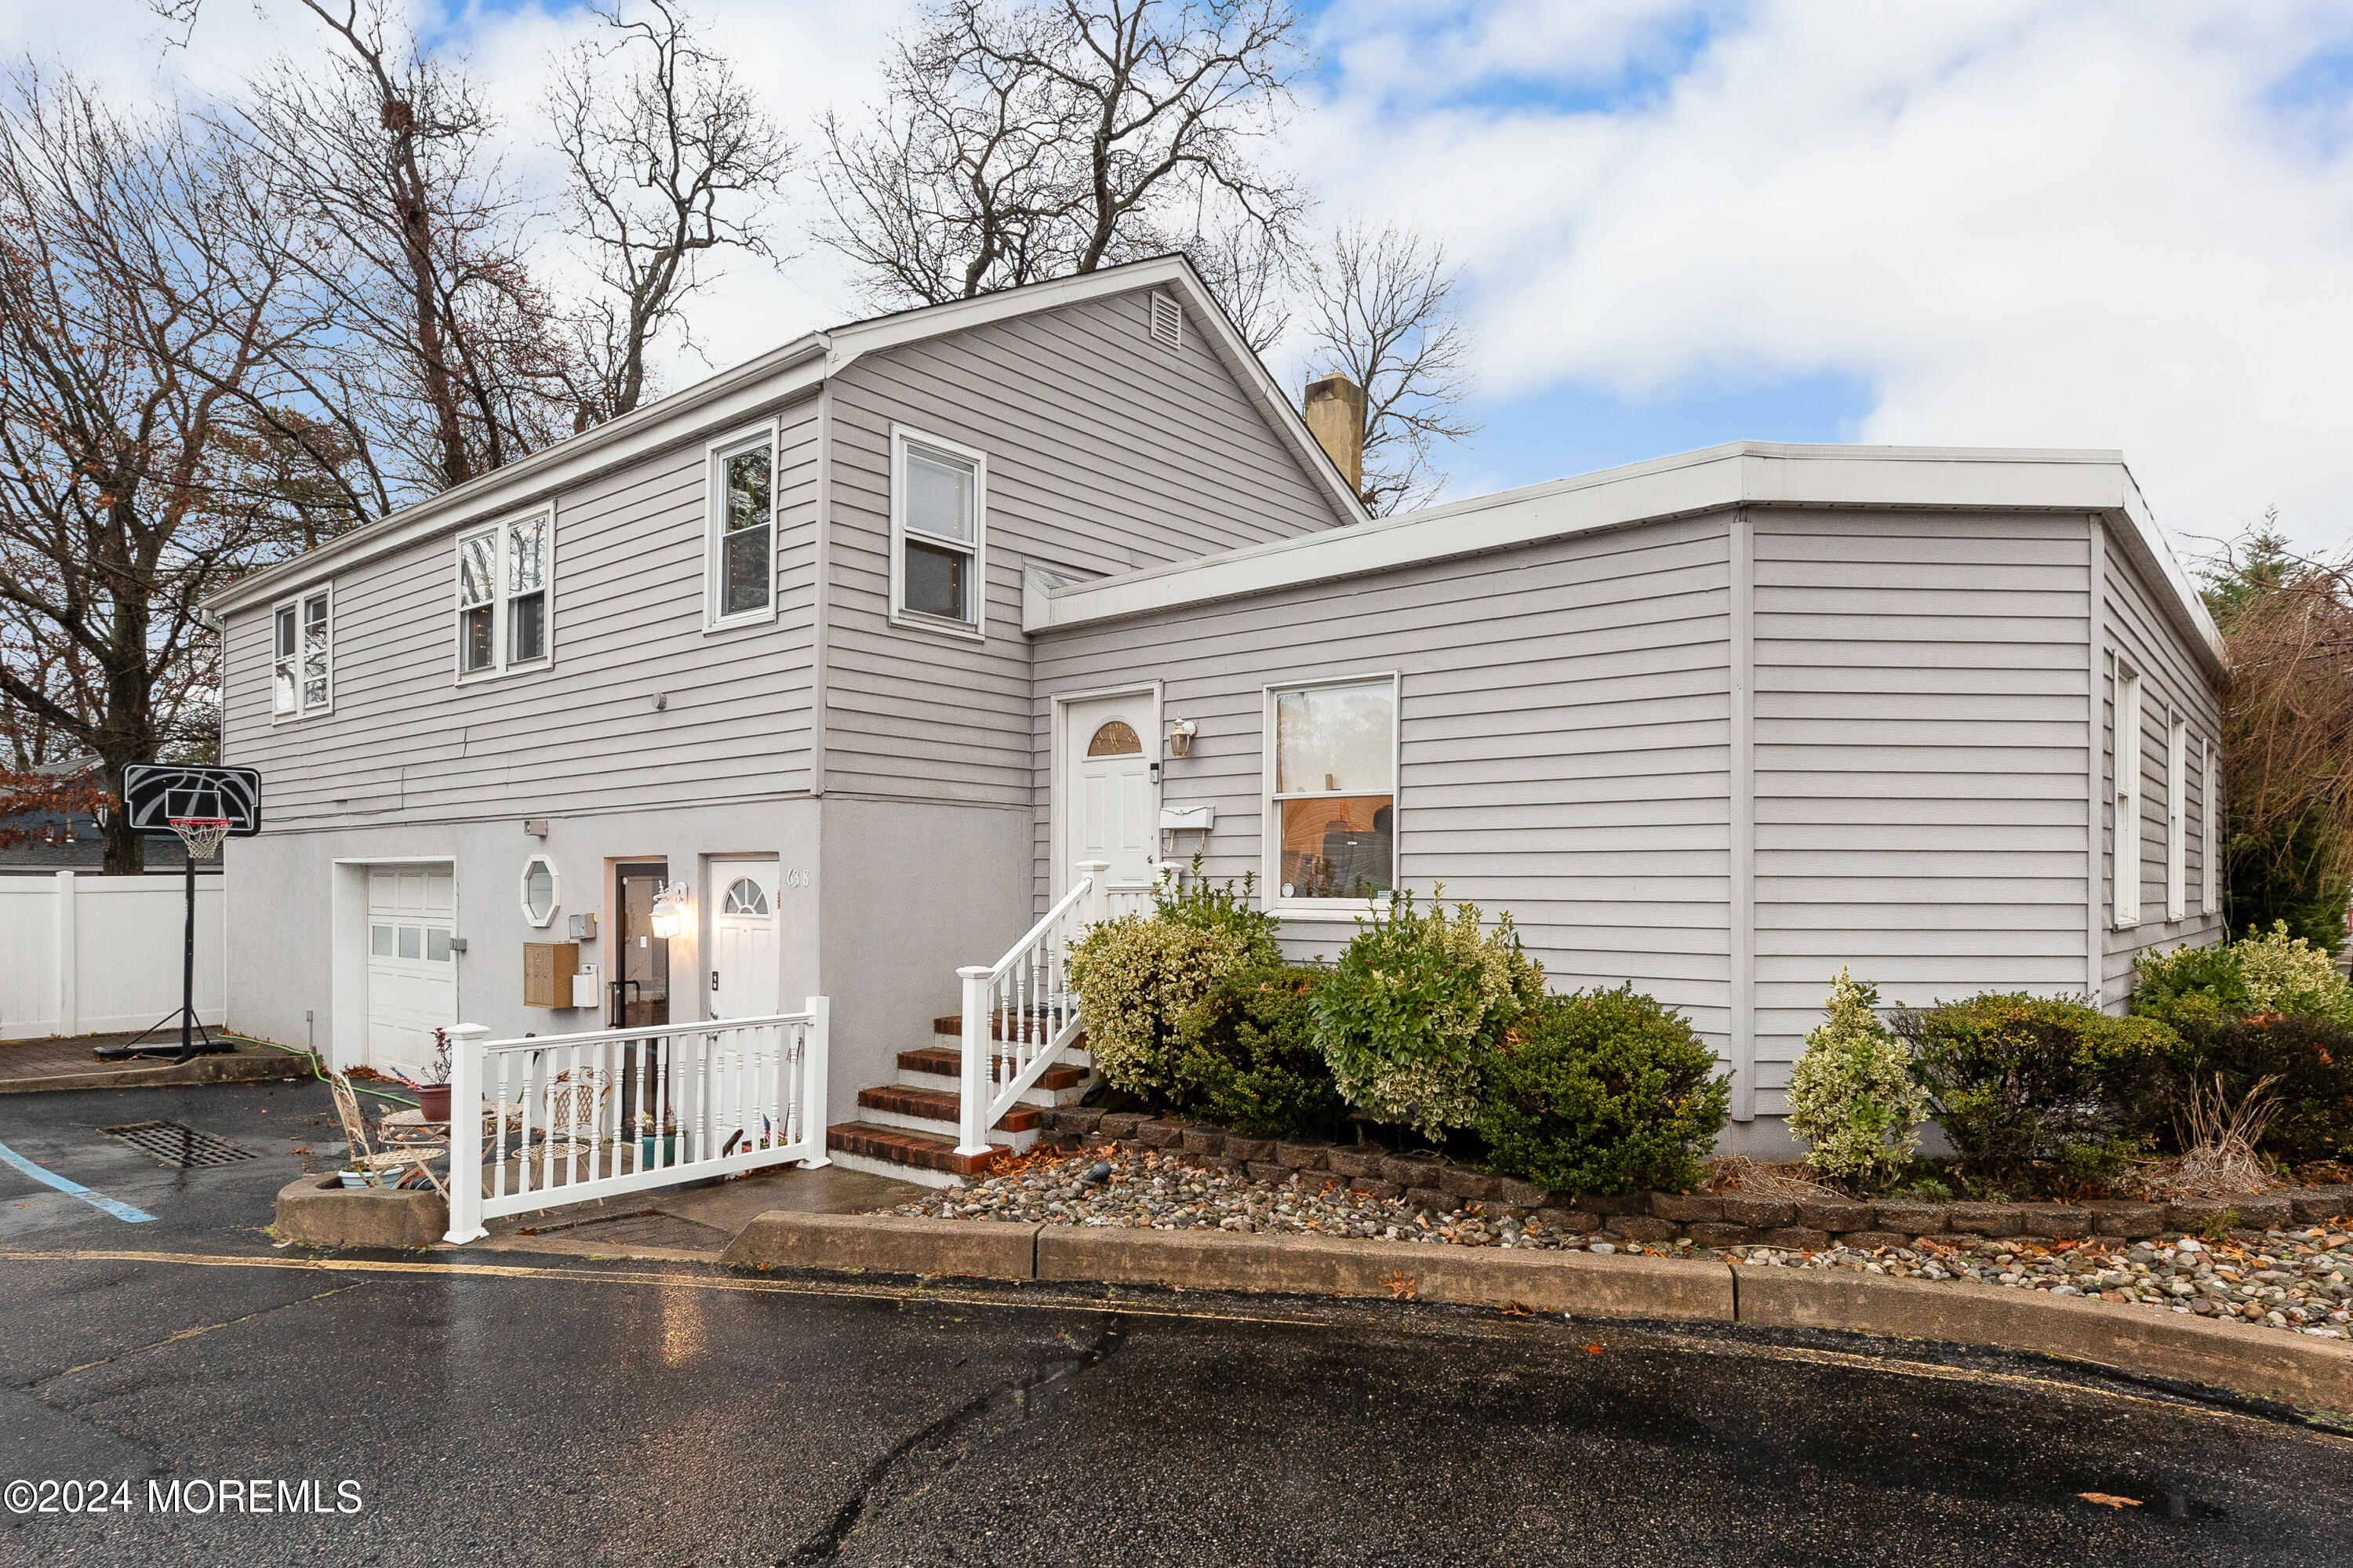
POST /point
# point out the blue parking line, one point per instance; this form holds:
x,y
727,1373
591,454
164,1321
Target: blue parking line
x,y
120,1211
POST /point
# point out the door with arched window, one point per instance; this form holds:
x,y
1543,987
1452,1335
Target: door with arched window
x,y
1111,802
744,963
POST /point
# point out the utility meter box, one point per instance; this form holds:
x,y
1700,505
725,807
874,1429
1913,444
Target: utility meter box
x,y
547,971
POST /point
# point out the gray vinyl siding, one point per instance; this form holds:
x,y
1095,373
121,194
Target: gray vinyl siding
x,y
1105,453
1563,742
406,743
2173,680
1920,761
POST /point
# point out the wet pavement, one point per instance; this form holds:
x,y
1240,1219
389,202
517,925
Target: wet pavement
x,y
519,1409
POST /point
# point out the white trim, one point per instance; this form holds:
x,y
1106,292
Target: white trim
x,y
300,604
1059,874
976,630
715,453
501,531
2177,819
1270,825
2096,791
1717,478
555,884
1740,547
2126,832
2210,859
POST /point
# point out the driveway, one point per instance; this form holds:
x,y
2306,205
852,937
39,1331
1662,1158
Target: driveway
x,y
498,1406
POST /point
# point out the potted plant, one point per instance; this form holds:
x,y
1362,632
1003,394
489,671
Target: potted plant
x,y
648,1154
433,1094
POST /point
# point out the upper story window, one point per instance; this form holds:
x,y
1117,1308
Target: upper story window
x,y
1332,789
939,507
301,655
502,591
741,549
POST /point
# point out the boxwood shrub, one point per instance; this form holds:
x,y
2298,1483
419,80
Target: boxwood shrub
x,y
1602,1091
1250,1051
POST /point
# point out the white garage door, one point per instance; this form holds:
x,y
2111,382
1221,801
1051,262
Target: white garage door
x,y
412,979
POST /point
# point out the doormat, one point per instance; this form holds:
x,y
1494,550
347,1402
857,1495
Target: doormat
x,y
178,1146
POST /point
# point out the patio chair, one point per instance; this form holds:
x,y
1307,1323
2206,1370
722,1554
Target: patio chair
x,y
575,1101
361,1155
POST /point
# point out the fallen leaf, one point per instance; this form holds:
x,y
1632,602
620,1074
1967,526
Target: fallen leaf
x,y
1517,1310
1593,1349
1401,1286
2109,1500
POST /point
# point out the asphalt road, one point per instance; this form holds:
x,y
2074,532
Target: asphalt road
x,y
496,1408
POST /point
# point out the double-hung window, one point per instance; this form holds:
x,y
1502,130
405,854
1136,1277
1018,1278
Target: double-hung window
x,y
938,522
1332,789
742,543
2127,834
503,586
301,655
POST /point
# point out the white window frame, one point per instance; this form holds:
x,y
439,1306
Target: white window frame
x,y
556,891
501,534
715,527
976,629
2124,871
2210,858
1270,814
2177,819
299,604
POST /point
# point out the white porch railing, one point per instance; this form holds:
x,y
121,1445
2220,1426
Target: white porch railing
x,y
1021,1013
570,1117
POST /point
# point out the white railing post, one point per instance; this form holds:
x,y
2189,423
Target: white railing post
x,y
69,961
814,1067
466,1134
1097,908
979,1081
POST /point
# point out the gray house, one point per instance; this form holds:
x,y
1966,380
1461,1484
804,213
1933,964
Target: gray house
x,y
840,663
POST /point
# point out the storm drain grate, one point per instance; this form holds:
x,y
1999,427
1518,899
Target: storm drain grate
x,y
181,1147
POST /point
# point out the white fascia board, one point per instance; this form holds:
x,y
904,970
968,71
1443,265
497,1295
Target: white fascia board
x,y
1174,273
1754,473
729,396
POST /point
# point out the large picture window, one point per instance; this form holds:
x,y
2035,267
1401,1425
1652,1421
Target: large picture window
x,y
502,596
1332,789
301,654
938,517
743,530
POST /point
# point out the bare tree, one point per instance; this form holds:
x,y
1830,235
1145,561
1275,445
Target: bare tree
x,y
135,326
1383,311
1041,138
434,356
666,164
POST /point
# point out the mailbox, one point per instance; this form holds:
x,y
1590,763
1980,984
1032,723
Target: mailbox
x,y
547,971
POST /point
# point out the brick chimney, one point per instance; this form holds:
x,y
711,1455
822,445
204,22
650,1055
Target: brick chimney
x,y
1335,409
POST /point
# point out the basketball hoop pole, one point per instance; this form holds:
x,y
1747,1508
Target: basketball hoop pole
x,y
187,1049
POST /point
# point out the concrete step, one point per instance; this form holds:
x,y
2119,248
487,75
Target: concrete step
x,y
909,1154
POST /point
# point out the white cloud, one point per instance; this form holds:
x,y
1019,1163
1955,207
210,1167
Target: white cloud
x,y
2027,223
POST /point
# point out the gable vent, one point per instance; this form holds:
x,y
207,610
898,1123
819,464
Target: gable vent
x,y
1168,323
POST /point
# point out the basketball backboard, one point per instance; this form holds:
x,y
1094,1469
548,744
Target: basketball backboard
x,y
154,793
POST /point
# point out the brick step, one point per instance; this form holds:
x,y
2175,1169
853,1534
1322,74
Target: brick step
x,y
947,1061
952,1027
936,1105
911,1151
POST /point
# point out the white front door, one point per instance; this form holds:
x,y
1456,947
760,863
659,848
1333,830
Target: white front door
x,y
742,938
412,977
1112,802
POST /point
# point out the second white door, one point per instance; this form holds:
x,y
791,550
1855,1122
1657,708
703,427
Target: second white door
x,y
1111,803
743,979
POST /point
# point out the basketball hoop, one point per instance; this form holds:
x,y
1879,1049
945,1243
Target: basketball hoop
x,y
203,835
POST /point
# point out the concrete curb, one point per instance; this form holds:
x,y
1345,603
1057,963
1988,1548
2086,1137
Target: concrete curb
x,y
2269,1364
243,1067
322,1212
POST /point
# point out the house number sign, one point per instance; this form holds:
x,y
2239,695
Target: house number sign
x,y
799,878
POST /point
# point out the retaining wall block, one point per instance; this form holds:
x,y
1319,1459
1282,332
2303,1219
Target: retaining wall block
x,y
1986,1219
2131,1221
1761,1213
1355,1160
1609,1203
1120,1125
1249,1149
1419,1198
1301,1156
1160,1134
1471,1186
2055,1220
1872,1241
2316,1205
1373,1187
1833,1214
1912,1219
1795,1238
1569,1221
1685,1207
1643,1227
1522,1195
1714,1232
1201,1140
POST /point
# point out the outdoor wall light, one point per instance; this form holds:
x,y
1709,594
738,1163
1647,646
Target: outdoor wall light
x,y
1180,737
669,912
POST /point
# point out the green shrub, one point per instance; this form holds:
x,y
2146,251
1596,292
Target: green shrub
x,y
1192,901
1249,1046
1602,1091
2032,1091
1852,1097
2311,1056
2269,971
1139,975
1413,1006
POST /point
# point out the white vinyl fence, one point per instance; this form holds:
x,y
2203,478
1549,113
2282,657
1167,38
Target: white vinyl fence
x,y
84,954
563,1118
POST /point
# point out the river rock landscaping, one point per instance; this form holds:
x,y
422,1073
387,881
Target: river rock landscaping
x,y
2292,1275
